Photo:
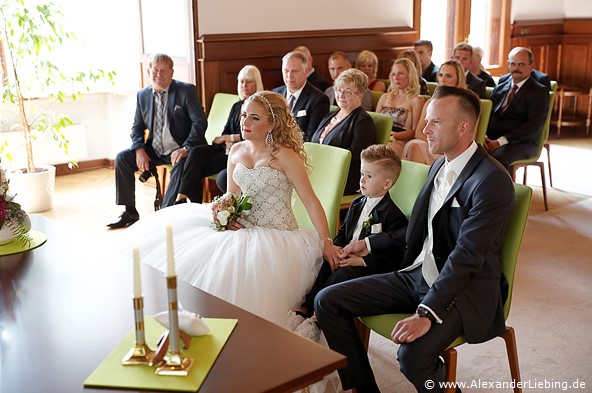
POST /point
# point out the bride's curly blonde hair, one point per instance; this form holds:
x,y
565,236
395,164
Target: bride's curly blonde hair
x,y
286,132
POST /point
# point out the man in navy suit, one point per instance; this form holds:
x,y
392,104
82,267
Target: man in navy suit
x,y
309,104
451,275
463,53
520,108
172,132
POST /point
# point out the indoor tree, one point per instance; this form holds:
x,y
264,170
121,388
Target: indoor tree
x,y
31,32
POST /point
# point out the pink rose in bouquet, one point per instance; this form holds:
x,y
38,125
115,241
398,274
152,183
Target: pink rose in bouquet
x,y
228,207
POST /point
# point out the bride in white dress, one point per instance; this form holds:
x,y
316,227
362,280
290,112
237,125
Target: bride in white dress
x,y
266,265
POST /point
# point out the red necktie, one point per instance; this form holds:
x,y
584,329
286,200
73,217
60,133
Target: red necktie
x,y
511,95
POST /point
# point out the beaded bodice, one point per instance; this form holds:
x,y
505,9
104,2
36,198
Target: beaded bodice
x,y
271,196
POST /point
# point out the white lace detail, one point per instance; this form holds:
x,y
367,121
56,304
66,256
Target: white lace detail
x,y
271,196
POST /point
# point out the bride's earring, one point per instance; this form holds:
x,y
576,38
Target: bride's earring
x,y
269,139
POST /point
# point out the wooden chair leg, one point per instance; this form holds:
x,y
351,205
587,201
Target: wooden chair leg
x,y
541,166
548,147
450,357
509,337
363,332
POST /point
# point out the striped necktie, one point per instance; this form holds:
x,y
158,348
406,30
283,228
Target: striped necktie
x,y
157,142
510,97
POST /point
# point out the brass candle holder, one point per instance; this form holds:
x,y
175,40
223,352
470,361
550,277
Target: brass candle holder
x,y
174,362
140,353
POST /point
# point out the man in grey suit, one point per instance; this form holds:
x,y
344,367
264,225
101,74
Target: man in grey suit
x,y
309,104
451,275
172,113
339,62
520,108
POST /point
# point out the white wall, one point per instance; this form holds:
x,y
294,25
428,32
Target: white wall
x,y
231,16
557,9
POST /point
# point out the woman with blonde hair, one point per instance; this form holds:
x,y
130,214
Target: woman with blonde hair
x,y
414,57
367,62
451,73
402,102
261,262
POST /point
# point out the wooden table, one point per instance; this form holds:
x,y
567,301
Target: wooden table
x,y
66,305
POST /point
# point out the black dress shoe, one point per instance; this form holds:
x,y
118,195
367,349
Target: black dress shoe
x,y
180,201
126,219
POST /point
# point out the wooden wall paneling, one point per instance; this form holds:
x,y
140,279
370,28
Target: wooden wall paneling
x,y
223,55
574,74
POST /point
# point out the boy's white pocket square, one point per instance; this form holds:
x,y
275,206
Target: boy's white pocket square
x,y
376,228
455,202
301,113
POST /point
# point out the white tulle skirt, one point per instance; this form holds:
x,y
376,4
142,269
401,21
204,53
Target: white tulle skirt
x,y
265,271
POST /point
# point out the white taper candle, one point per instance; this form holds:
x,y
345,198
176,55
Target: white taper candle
x,y
170,252
137,277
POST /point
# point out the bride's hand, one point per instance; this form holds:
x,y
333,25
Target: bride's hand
x,y
234,226
331,253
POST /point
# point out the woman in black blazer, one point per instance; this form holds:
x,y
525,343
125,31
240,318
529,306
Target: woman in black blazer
x,y
350,127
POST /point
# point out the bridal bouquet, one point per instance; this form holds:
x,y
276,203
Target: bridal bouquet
x,y
228,207
12,217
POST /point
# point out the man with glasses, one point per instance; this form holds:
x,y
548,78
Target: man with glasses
x,y
520,108
171,112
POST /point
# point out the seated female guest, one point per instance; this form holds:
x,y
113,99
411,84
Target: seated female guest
x,y
402,102
206,160
350,127
414,57
367,62
451,73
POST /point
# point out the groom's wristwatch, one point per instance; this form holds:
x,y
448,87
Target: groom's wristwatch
x,y
423,312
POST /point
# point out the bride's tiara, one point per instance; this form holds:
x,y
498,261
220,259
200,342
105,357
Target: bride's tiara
x,y
273,116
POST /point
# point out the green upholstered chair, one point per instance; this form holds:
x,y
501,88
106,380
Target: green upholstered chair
x,y
375,97
384,324
383,125
218,114
534,159
411,179
329,168
488,91
432,86
484,115
217,118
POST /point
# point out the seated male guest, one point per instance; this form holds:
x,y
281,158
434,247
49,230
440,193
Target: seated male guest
x,y
339,62
172,113
539,76
350,127
424,49
313,76
451,277
520,108
463,53
309,104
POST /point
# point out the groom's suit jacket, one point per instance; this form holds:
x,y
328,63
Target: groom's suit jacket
x,y
309,110
185,116
388,245
468,232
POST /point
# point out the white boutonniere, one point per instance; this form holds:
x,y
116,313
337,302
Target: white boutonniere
x,y
367,222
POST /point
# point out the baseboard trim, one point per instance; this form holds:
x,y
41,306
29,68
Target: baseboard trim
x,y
63,169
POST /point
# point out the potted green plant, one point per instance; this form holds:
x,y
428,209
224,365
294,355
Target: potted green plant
x,y
30,34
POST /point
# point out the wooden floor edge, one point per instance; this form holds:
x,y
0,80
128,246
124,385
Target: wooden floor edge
x,y
63,169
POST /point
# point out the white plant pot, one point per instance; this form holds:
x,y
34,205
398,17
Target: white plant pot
x,y
33,191
8,235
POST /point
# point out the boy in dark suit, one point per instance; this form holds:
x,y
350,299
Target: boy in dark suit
x,y
373,225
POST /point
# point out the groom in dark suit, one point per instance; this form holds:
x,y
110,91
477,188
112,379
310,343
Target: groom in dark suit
x,y
172,113
451,278
520,108
309,104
